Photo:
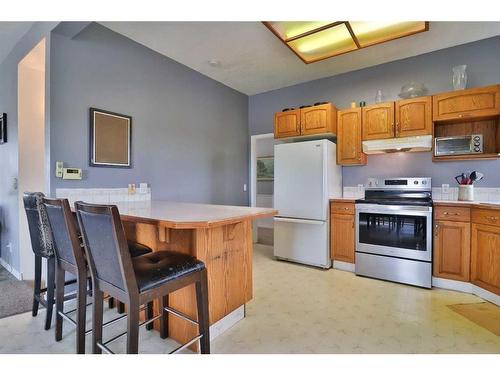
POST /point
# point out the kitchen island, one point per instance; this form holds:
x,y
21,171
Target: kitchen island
x,y
220,236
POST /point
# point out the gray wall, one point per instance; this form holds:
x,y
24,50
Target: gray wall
x,y
189,134
432,69
9,207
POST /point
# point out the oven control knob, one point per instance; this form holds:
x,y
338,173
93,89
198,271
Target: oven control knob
x,y
415,182
476,138
424,182
476,143
477,149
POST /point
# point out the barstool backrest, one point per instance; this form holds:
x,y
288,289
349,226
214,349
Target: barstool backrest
x,y
38,224
106,247
64,232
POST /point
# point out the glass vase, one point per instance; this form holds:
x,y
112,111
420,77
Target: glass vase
x,y
459,77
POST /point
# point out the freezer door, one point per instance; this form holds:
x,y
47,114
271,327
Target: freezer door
x,y
302,241
300,181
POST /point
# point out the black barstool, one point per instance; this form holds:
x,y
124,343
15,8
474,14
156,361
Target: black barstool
x,y
136,281
70,257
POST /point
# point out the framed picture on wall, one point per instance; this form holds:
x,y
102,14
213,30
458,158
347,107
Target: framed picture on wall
x,y
265,168
3,128
110,139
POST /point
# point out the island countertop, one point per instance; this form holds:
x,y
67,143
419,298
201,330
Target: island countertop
x,y
188,215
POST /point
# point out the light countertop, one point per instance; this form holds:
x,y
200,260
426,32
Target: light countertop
x,y
479,204
188,215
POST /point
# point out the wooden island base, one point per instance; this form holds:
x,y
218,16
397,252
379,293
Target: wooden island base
x,y
226,250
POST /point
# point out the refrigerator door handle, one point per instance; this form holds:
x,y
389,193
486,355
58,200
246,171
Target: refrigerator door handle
x,y
298,221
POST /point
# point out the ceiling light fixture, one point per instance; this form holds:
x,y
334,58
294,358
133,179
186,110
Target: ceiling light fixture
x,y
313,41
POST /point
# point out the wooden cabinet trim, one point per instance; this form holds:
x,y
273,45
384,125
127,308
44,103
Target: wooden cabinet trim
x,y
349,137
485,257
413,117
318,119
287,124
378,121
486,216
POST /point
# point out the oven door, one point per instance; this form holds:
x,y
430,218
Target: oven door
x,y
397,231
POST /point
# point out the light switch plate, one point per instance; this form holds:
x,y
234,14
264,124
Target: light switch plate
x,y
59,169
445,188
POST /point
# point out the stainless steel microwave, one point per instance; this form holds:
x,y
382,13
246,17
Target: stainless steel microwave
x,y
458,145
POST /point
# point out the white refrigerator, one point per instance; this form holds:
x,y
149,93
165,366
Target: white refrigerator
x,y
306,176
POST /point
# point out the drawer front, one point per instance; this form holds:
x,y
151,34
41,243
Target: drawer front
x,y
484,216
452,213
343,208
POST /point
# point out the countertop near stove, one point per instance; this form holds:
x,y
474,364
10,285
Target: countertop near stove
x,y
476,204
343,200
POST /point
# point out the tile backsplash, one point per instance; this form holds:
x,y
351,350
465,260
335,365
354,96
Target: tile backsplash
x,y
114,195
480,194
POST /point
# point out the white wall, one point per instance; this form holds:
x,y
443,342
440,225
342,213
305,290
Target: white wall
x,y
31,138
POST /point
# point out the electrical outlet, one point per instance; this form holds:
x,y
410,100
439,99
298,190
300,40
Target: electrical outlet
x,y
59,169
244,187
445,188
360,188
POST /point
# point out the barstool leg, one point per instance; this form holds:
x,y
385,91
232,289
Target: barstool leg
x,y
202,304
133,328
164,317
81,314
60,273
51,267
37,284
97,320
149,315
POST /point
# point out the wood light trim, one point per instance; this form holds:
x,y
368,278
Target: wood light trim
x,y
331,25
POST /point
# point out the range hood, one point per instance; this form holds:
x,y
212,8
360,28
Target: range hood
x,y
408,144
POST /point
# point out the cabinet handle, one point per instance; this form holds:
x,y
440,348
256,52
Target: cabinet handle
x,y
436,230
492,218
450,213
464,115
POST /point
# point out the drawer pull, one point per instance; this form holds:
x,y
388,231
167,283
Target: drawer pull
x,y
492,218
451,213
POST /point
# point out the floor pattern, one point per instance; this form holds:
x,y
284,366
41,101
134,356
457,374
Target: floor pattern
x,y
299,309
15,296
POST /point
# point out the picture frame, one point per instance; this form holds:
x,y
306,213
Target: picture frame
x,y
110,139
265,168
3,128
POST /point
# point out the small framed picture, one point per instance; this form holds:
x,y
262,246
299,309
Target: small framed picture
x,y
110,139
265,168
3,128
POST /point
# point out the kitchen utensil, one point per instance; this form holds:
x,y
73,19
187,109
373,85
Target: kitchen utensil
x,y
476,176
460,179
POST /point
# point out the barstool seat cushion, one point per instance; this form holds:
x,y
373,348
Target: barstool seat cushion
x,y
152,270
136,249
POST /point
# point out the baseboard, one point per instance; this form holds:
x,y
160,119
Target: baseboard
x,y
18,275
227,322
461,286
344,266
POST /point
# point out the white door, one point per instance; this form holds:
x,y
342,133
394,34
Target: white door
x,y
302,241
299,184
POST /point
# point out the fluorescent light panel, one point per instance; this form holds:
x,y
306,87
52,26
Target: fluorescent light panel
x,y
317,40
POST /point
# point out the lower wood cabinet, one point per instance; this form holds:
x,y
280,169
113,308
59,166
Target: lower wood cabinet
x,y
452,250
342,238
485,256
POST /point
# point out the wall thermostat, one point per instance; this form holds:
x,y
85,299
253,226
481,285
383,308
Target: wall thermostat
x,y
72,174
59,169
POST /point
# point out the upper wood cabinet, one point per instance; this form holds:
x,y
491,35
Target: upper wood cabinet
x,y
318,119
342,233
467,104
287,124
378,121
452,250
349,151
414,117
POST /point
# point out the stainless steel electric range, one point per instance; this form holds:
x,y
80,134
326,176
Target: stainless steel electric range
x,y
394,231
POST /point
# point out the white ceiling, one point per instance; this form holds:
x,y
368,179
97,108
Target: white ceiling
x,y
10,34
253,60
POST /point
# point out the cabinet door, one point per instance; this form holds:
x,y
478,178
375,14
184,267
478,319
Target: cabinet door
x,y
287,124
465,104
485,257
318,119
349,150
452,250
414,117
342,238
378,121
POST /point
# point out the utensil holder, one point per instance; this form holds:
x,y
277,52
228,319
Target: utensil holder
x,y
466,193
